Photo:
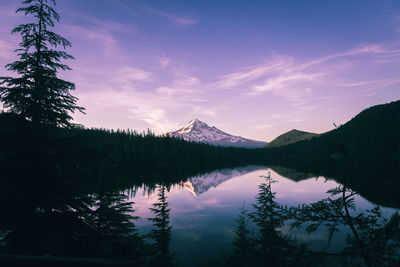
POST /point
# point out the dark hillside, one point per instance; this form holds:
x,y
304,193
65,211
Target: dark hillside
x,y
372,136
290,137
364,152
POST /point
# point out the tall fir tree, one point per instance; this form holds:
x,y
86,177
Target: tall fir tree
x,y
243,245
270,216
38,94
161,233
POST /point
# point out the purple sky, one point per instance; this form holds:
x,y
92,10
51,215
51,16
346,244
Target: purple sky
x,y
251,68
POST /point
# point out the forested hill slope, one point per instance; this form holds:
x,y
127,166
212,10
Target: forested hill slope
x,y
290,137
377,121
369,141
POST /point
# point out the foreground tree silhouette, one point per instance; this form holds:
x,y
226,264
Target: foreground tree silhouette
x,y
270,217
373,240
38,94
243,245
271,246
109,216
161,233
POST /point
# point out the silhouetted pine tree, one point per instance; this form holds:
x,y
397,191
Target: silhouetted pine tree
x,y
243,251
161,233
38,94
114,225
269,217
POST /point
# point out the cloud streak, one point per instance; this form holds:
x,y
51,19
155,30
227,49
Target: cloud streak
x,y
184,21
252,73
100,36
178,20
128,73
277,84
293,80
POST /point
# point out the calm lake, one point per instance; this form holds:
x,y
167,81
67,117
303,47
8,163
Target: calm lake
x,y
48,220
205,208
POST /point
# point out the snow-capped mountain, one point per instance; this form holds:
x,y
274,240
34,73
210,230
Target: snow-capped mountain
x,y
202,183
198,131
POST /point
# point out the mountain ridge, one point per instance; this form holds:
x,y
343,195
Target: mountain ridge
x,y
198,131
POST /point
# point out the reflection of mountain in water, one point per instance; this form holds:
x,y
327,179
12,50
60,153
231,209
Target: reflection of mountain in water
x,y
292,174
199,184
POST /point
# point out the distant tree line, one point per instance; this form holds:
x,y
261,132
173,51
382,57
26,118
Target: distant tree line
x,y
107,157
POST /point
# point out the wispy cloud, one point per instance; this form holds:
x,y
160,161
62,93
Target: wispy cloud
x,y
155,117
164,61
172,91
101,36
128,73
374,49
182,82
252,73
179,20
154,108
9,12
369,85
295,80
128,106
186,81
283,85
96,33
363,49
263,126
208,111
295,120
9,19
105,25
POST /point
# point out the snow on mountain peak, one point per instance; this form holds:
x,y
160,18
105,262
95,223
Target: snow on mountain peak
x,y
198,131
200,184
194,124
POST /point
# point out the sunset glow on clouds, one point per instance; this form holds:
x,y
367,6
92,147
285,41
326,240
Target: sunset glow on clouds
x,y
250,68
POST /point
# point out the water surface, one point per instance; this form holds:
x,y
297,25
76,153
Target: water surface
x,y
204,209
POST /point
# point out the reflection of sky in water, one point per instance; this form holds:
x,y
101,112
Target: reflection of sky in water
x,y
203,224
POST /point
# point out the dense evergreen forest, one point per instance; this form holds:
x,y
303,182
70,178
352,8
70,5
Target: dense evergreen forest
x,y
107,157
364,152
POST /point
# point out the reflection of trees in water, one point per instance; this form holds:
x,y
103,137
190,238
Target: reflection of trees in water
x,y
109,217
161,232
373,239
271,247
96,225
